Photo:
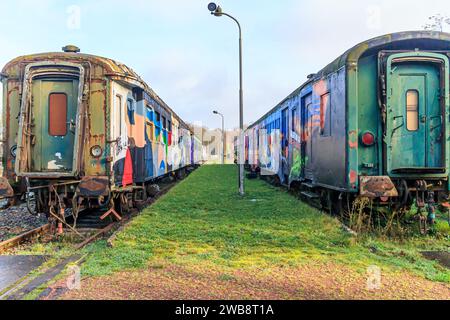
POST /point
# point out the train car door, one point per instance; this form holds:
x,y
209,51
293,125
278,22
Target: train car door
x,y
295,144
307,126
416,117
54,105
285,142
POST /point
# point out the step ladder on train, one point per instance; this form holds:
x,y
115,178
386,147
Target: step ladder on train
x,y
308,194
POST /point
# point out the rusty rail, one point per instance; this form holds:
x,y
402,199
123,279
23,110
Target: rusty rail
x,y
96,236
29,235
121,225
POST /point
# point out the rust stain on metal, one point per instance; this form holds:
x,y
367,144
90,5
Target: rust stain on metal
x,y
93,187
353,176
353,140
6,190
377,187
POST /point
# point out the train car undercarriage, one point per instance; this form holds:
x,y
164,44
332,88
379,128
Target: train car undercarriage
x,y
66,200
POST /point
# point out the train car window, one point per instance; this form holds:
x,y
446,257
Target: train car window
x,y
257,139
131,110
149,123
294,114
325,115
169,129
118,118
412,110
150,131
149,114
57,118
157,125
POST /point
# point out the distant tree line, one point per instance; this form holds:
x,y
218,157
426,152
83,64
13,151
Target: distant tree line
x,y
437,22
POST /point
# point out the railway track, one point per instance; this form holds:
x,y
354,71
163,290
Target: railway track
x,y
23,238
90,226
30,282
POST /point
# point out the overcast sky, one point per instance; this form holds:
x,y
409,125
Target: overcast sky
x,y
191,58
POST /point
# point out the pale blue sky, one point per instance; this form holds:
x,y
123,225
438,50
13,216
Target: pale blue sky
x,y
190,58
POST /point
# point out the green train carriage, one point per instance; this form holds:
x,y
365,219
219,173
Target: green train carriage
x,y
373,123
83,131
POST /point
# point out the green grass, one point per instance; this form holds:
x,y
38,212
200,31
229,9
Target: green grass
x,y
204,221
442,223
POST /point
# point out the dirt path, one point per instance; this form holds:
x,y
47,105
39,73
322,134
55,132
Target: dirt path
x,y
313,281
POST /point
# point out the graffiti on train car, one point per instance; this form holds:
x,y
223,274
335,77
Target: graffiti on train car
x,y
149,140
370,124
85,131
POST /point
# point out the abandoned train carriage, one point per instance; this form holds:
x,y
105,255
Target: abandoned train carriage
x,y
81,129
375,123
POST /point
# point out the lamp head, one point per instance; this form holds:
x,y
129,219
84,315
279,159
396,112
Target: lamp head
x,y
215,9
212,7
218,12
215,112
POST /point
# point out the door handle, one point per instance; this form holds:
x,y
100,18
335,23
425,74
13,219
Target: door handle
x,y
72,126
423,119
399,126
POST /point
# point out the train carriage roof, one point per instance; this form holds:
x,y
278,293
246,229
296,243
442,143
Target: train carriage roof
x,y
392,41
114,70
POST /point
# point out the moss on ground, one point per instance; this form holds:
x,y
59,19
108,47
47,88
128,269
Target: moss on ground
x,y
204,221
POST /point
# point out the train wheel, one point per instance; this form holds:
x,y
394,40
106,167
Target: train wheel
x,y
403,194
126,203
32,201
153,190
181,174
335,204
325,201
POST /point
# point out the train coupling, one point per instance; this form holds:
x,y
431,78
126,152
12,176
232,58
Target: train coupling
x,y
426,204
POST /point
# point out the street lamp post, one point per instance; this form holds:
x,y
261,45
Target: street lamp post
x,y
223,136
217,11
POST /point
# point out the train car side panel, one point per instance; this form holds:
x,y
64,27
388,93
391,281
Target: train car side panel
x,y
324,135
122,157
96,128
369,119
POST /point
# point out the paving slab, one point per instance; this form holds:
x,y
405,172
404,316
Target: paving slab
x,y
14,268
42,279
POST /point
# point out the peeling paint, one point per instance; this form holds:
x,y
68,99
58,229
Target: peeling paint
x,y
353,177
53,166
353,140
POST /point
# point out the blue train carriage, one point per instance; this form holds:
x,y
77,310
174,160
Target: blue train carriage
x,y
85,130
373,123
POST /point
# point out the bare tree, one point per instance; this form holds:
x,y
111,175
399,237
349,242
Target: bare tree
x,y
437,22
